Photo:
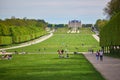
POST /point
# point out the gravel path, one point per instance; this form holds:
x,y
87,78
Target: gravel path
x,y
96,37
109,67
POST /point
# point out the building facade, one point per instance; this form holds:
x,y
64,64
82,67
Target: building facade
x,y
74,24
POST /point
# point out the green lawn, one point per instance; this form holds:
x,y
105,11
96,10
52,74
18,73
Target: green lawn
x,y
72,42
47,67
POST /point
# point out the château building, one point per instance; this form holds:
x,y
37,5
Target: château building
x,y
74,24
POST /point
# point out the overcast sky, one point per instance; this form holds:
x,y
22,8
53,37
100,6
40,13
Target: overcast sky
x,y
54,11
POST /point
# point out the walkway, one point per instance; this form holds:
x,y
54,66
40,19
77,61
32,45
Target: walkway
x,y
96,37
31,42
109,67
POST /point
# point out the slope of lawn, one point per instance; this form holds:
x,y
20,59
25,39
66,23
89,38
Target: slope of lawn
x,y
47,67
81,42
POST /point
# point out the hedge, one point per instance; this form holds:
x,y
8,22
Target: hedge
x,y
5,40
110,33
20,30
24,38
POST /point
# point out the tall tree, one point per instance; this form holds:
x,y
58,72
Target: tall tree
x,y
112,8
100,24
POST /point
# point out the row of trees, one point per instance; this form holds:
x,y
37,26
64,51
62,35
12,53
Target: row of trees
x,y
112,8
65,25
17,30
109,33
87,25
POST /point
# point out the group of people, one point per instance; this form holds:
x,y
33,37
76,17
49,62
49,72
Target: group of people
x,y
99,54
6,56
61,53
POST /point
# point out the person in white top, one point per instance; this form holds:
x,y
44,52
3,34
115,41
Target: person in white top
x,y
101,55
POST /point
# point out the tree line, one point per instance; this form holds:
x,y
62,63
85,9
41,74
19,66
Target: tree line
x,y
110,29
17,30
110,35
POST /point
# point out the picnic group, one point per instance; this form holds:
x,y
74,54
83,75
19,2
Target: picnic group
x,y
5,56
62,55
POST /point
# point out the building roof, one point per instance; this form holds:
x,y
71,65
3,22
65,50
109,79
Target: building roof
x,y
73,21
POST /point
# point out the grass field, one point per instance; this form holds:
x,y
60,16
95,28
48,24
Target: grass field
x,y
47,67
81,42
72,42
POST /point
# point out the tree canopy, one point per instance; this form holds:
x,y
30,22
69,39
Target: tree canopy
x,y
20,30
112,8
100,24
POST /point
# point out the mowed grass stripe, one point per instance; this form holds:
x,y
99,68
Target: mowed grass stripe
x,y
72,42
47,67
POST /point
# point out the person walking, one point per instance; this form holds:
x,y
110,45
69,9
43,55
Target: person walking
x,y
97,55
101,55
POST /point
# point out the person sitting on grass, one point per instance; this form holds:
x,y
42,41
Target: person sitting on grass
x,y
67,55
59,53
66,52
9,57
62,53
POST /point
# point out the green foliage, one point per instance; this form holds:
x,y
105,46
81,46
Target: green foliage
x,y
48,67
115,55
87,25
5,40
100,24
110,34
112,8
22,30
4,30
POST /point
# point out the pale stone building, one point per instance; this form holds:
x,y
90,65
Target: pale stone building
x,y
74,25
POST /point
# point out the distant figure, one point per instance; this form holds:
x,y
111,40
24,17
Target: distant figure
x,y
59,53
62,53
39,50
15,52
101,55
3,51
97,55
9,57
5,56
66,52
92,51
67,55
